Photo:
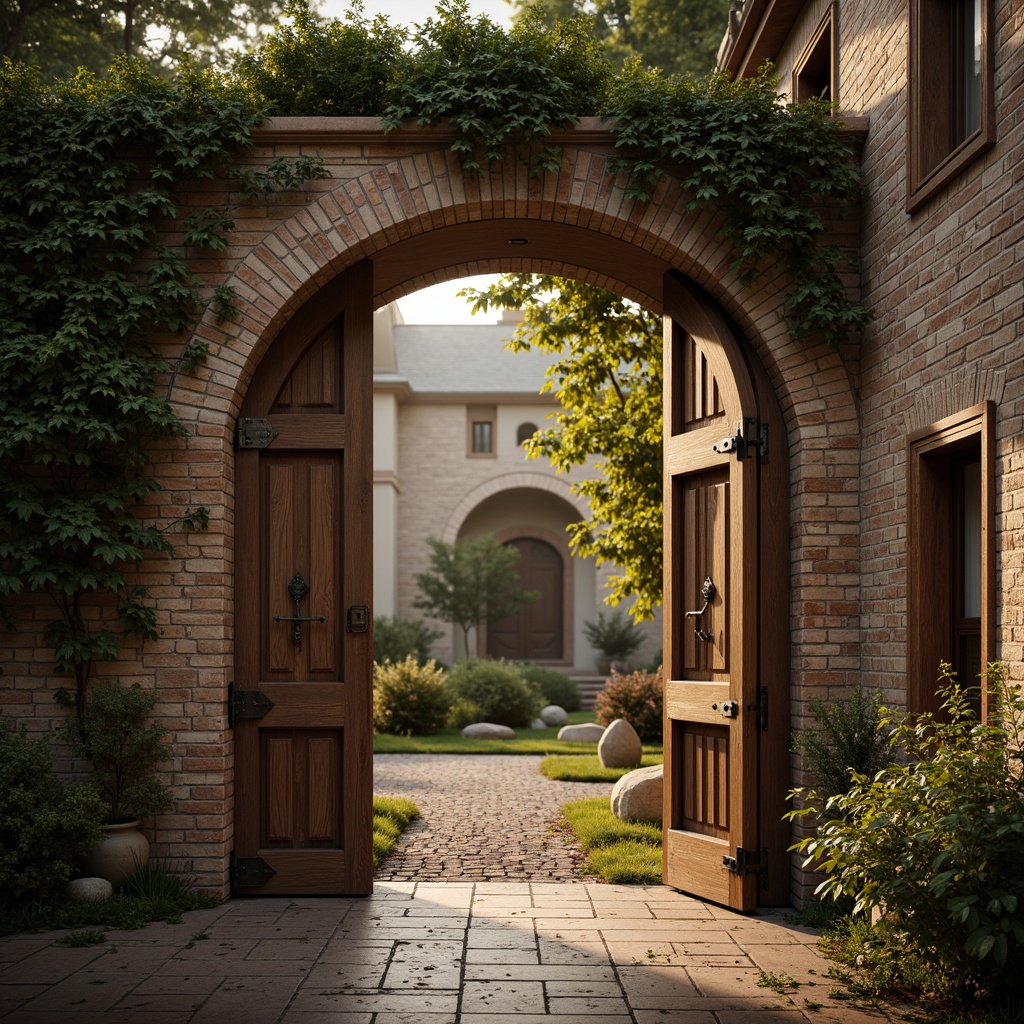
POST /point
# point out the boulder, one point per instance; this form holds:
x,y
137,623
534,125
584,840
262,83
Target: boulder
x,y
620,746
554,715
538,723
637,795
488,731
590,732
89,890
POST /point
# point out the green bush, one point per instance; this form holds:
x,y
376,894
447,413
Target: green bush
x,y
846,739
613,635
396,639
125,748
409,699
638,698
46,826
936,839
498,688
464,712
555,687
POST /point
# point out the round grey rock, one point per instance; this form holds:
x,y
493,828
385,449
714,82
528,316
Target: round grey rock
x,y
488,731
637,795
89,890
538,723
589,732
553,715
620,746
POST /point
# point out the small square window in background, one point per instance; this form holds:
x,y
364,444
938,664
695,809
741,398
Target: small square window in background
x,y
483,437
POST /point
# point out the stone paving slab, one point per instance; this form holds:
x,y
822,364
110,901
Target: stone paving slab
x,y
511,935
526,968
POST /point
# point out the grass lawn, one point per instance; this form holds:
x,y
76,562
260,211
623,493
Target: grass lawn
x,y
451,741
391,817
620,852
588,768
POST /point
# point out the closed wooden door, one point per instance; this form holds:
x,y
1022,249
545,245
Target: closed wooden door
x,y
535,633
303,649
726,641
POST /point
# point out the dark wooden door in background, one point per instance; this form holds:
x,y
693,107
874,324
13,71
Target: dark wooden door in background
x,y
303,771
536,632
725,616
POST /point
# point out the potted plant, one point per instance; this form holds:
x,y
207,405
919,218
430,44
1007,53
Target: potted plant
x,y
126,749
614,636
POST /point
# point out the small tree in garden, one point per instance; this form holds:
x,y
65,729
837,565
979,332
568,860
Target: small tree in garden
x,y
471,582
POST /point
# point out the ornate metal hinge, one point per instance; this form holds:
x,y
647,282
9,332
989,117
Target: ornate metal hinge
x,y
298,588
749,862
250,872
254,432
246,704
750,433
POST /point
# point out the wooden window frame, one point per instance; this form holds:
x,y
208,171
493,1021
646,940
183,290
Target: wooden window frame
x,y
932,581
825,40
933,157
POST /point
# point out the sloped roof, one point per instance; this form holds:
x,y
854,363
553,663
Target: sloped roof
x,y
466,359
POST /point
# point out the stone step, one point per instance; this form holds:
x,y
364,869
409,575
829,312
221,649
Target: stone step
x,y
589,687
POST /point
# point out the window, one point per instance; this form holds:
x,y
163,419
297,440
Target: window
x,y
952,115
950,553
480,441
814,73
483,437
525,432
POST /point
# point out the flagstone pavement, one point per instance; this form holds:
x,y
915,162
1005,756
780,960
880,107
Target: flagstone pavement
x,y
440,949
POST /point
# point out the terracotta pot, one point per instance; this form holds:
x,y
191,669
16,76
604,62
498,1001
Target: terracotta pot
x,y
117,855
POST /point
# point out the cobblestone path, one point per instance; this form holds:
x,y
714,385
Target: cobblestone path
x,y
483,817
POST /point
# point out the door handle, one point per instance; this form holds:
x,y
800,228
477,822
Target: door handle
x,y
707,591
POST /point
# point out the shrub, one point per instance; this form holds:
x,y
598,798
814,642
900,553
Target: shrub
x,y
396,639
637,698
613,635
125,749
498,688
463,713
936,839
46,826
847,738
409,698
555,687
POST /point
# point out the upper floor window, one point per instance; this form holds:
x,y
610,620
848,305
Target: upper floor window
x,y
525,431
483,437
814,73
952,113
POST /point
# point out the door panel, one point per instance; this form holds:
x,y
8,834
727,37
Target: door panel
x,y
304,769
714,741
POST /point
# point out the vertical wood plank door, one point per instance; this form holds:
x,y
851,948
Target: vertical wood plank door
x,y
303,771
725,755
536,631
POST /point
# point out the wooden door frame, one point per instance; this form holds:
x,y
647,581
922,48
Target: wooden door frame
x,y
349,297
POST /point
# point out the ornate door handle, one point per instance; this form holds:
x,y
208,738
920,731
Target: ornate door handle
x,y
707,591
298,588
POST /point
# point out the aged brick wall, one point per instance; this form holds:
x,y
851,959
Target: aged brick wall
x,y
386,193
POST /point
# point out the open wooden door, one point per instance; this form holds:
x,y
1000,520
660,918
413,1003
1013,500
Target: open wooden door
x,y
301,701
726,614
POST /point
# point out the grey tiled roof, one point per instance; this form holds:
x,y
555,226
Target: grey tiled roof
x,y
466,358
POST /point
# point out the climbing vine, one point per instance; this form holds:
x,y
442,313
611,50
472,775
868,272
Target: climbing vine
x,y
89,171
89,175
774,168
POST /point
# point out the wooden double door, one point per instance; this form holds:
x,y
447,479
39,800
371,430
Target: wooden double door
x,y
726,614
302,695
